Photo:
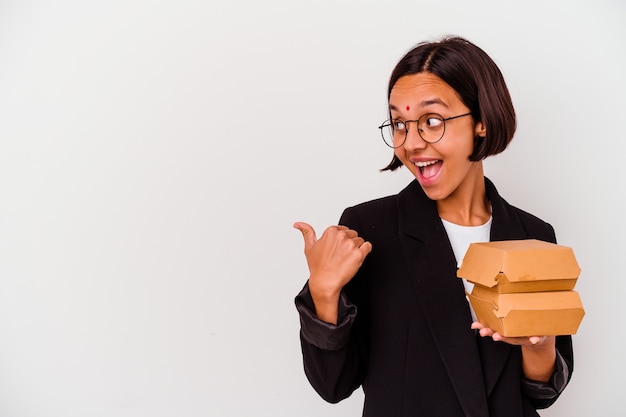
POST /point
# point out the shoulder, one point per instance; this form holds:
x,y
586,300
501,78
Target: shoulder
x,y
374,206
373,219
370,213
534,226
517,222
379,218
384,207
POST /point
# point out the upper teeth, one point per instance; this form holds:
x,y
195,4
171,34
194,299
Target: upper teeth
x,y
425,164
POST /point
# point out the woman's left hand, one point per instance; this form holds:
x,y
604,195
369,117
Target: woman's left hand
x,y
538,352
532,341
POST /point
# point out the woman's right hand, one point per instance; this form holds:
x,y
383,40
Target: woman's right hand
x,y
333,261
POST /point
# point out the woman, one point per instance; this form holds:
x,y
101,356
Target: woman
x,y
383,307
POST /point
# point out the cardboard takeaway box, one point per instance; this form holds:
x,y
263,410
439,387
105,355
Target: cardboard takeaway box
x,y
524,287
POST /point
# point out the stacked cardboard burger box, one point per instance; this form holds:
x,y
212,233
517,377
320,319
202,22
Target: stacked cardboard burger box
x,y
524,287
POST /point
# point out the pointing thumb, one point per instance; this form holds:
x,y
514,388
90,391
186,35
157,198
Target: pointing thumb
x,y
308,233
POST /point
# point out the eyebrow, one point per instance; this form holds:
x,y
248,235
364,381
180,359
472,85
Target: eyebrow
x,y
423,103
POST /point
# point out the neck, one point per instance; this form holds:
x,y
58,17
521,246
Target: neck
x,y
468,204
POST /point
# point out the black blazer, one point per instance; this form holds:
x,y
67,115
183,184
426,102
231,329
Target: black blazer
x,y
404,326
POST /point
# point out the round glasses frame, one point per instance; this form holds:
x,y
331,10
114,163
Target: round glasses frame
x,y
431,125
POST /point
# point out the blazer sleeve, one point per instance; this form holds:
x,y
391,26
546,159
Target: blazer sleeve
x,y
542,395
334,356
321,334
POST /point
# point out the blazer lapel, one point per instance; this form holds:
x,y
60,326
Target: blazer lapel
x,y
505,226
431,263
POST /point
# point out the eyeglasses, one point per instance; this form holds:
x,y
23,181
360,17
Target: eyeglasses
x,y
430,126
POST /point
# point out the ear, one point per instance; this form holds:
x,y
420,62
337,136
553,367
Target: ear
x,y
480,129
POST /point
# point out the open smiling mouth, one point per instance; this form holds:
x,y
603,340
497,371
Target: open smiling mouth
x,y
429,168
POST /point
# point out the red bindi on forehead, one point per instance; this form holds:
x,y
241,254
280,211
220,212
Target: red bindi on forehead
x,y
408,108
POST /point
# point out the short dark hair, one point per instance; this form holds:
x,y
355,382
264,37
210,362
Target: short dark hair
x,y
476,79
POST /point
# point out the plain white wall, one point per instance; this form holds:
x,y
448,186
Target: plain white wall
x,y
154,155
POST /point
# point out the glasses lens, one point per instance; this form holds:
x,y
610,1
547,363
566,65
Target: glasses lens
x,y
431,127
386,131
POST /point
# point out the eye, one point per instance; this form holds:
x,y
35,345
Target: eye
x,y
433,121
398,125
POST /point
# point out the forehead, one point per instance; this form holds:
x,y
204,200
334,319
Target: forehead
x,y
421,90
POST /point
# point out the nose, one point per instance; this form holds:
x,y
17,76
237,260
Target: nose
x,y
414,140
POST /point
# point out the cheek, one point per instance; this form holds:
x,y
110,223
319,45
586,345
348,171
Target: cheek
x,y
402,157
457,152
465,145
399,153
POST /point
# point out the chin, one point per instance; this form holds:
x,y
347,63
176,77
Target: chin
x,y
433,193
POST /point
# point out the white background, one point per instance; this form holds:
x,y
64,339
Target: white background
x,y
155,154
